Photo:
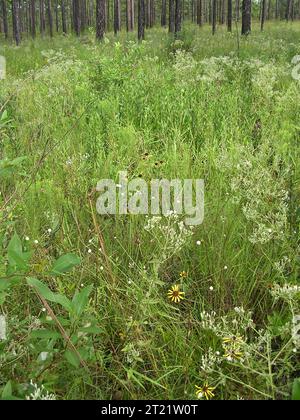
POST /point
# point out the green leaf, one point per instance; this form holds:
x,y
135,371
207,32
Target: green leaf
x,y
65,263
15,244
16,257
49,295
7,167
80,300
7,283
72,358
44,334
91,330
296,390
7,391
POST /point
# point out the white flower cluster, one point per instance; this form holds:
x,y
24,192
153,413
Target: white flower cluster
x,y
228,324
184,65
210,360
287,292
264,199
171,232
132,354
282,265
39,393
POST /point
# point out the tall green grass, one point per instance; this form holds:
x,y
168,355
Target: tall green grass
x,y
221,108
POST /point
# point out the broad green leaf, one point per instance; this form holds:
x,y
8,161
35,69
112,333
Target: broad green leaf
x,y
81,299
44,334
49,295
15,244
72,358
7,391
4,115
65,263
296,390
16,257
17,260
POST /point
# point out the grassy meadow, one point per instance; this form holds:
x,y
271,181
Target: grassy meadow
x,y
84,296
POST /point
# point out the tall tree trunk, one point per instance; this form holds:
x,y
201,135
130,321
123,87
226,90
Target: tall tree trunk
x,y
289,8
76,18
141,20
177,16
214,16
83,17
100,19
4,15
16,21
229,15
50,18
129,15
107,15
42,18
132,14
152,13
56,15
117,16
32,17
237,9
277,9
199,12
171,16
164,13
64,17
223,12
246,17
147,13
263,14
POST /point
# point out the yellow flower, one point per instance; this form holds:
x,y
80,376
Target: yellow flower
x,y
205,391
233,355
175,295
234,340
183,274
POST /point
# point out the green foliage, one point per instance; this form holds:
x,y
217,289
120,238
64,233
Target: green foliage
x,y
296,390
92,322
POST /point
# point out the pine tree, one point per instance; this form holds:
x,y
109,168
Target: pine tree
x,y
100,19
246,17
141,20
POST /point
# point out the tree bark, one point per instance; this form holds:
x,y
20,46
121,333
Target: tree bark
x,y
289,8
76,17
64,17
100,19
246,17
237,10
263,14
199,12
229,15
32,18
117,16
16,21
214,16
164,13
171,16
177,16
4,15
50,18
56,15
141,20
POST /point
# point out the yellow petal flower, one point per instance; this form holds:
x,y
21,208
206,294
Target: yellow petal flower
x,y
175,295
